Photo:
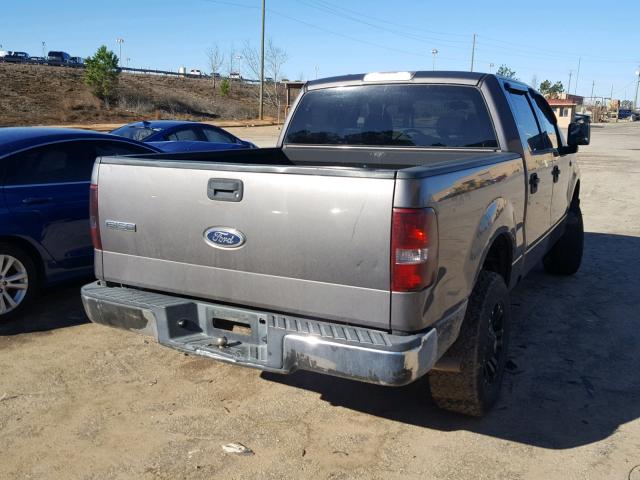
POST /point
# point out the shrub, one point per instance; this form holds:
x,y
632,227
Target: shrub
x,y
225,86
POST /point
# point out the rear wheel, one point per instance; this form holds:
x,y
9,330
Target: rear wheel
x,y
565,256
481,349
18,281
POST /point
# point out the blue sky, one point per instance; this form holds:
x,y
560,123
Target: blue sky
x,y
334,37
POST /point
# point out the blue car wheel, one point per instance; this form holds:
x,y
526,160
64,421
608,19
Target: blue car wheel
x,y
19,280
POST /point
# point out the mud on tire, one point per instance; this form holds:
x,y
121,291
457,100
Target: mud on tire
x,y
482,350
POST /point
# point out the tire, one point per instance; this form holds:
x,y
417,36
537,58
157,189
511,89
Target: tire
x,y
19,281
565,256
482,350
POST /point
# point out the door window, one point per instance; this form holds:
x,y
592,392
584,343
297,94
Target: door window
x,y
188,133
55,163
526,121
547,122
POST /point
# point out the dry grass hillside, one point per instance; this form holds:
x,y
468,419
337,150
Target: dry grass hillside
x,y
44,95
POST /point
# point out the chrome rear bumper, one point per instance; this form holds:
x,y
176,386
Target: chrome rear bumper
x,y
264,340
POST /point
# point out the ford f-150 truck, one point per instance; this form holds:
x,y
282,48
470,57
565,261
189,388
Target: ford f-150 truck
x,y
378,241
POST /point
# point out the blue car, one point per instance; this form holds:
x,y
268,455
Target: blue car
x,y
45,238
180,135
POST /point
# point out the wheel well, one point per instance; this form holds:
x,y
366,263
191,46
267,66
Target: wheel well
x,y
575,200
29,248
499,257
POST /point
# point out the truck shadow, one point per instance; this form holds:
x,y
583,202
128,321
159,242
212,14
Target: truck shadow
x,y
58,307
574,371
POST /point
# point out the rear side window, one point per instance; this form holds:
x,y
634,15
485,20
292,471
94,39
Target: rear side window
x,y
527,125
216,136
56,163
393,115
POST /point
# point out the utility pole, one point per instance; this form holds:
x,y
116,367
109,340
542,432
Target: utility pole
x,y
593,85
316,72
575,91
120,41
434,52
635,102
261,110
43,49
473,51
491,65
569,87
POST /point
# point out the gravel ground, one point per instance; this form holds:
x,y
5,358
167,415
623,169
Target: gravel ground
x,y
79,400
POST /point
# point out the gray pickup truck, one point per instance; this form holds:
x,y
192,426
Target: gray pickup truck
x,y
377,242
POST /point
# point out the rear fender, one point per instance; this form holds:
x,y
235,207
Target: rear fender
x,y
498,218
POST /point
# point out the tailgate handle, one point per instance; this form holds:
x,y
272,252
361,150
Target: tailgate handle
x,y
225,189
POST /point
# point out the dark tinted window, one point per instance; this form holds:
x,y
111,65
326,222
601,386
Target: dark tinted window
x,y
104,149
526,121
393,115
57,163
215,135
188,133
546,120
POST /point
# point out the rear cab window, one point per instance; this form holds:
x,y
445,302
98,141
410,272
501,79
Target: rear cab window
x,y
404,115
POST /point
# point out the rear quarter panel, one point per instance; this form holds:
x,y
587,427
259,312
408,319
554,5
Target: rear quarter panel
x,y
473,207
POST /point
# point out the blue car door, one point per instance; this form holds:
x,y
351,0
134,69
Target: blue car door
x,y
47,193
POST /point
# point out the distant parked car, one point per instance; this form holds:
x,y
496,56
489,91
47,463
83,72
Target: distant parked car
x,y
197,134
235,76
37,60
45,236
58,58
624,113
195,71
16,57
76,62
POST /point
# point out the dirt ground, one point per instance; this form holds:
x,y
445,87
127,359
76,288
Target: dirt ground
x,y
79,400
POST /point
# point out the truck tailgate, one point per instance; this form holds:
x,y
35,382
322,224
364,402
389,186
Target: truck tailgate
x,y
315,244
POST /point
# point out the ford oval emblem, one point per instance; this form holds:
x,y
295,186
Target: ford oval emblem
x,y
223,237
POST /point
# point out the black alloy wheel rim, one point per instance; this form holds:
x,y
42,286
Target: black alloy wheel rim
x,y
495,344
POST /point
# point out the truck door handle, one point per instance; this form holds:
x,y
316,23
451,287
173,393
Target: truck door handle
x,y
36,200
556,174
534,180
225,189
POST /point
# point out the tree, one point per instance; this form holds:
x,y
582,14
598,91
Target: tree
x,y
550,90
506,72
215,59
101,74
274,59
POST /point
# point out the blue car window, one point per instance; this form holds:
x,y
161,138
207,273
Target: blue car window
x,y
105,149
188,133
215,135
56,163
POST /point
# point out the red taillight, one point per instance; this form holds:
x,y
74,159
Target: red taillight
x,y
414,249
94,220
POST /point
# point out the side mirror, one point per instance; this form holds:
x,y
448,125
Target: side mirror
x,y
579,134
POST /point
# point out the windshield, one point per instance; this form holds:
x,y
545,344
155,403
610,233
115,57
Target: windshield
x,y
135,133
393,115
